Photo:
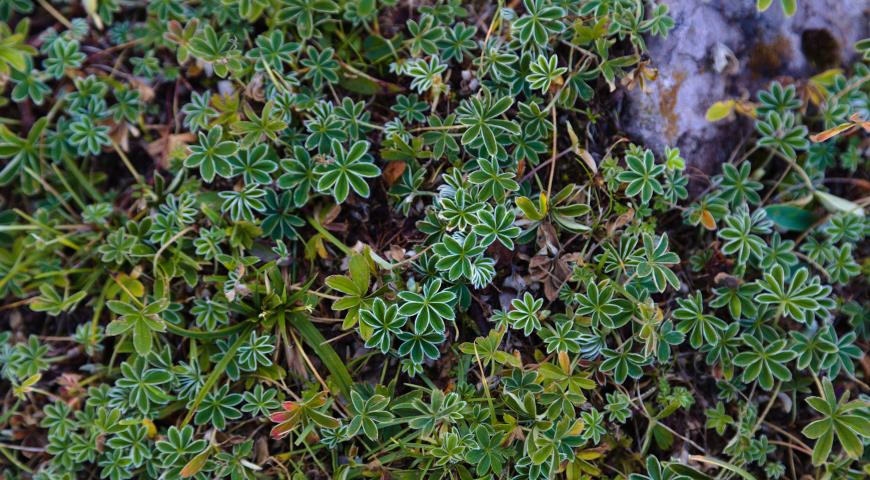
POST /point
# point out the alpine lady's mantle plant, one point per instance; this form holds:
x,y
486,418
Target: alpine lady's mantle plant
x,y
409,241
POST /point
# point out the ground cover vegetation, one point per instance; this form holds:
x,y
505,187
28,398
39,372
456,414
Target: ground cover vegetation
x,y
390,239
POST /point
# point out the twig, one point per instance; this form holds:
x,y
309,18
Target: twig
x,y
55,13
553,158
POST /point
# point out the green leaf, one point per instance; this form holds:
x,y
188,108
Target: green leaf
x,y
343,284
360,273
360,85
763,5
142,338
789,217
530,210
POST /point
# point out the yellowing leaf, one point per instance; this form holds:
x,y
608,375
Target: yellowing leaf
x,y
836,204
720,110
91,9
150,428
195,464
827,77
21,390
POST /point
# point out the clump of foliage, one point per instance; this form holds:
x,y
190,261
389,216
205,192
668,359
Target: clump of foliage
x,y
382,239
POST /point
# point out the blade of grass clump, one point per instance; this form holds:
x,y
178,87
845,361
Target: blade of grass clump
x,y
205,335
314,222
324,351
722,464
215,375
83,181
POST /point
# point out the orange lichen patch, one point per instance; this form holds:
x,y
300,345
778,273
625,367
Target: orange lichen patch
x,y
668,104
766,59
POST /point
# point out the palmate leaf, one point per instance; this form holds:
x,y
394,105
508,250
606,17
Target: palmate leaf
x,y
301,14
544,71
368,414
801,299
300,175
842,360
492,181
278,220
653,261
541,21
599,305
51,302
354,286
623,362
429,308
425,74
384,322
641,176
321,66
701,327
144,386
241,205
211,155
305,412
481,115
737,186
14,49
461,210
487,350
781,132
458,42
218,407
457,254
765,362
742,233
497,224
254,165
257,128
845,420
561,337
525,313
418,346
179,444
23,154
142,321
29,85
347,170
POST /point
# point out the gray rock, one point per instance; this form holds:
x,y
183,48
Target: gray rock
x,y
696,67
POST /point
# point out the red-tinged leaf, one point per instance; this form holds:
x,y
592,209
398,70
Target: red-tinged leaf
x,y
832,132
392,172
195,464
279,417
707,220
280,431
